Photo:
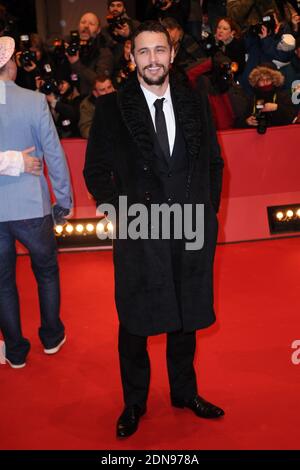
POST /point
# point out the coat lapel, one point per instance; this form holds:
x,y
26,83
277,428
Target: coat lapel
x,y
136,116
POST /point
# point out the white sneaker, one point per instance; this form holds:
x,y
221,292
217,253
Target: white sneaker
x,y
15,366
57,348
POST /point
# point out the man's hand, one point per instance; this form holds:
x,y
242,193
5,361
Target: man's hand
x,y
252,121
270,107
123,31
72,58
30,68
52,100
32,165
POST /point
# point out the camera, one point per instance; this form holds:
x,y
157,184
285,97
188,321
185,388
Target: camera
x,y
267,21
261,117
74,46
77,45
115,21
50,85
209,43
27,56
59,49
223,72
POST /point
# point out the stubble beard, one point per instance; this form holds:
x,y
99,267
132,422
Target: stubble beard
x,y
155,81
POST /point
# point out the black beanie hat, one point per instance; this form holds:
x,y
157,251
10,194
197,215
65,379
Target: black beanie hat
x,y
111,1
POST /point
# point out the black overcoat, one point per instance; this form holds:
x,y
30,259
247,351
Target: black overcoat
x,y
120,160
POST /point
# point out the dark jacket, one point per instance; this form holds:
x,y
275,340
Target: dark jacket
x,y
98,61
121,143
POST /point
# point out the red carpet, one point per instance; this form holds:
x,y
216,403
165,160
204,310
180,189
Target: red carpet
x,y
71,400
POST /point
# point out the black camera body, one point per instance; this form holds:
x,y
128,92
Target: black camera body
x,y
50,85
74,45
261,117
59,49
27,56
116,21
267,21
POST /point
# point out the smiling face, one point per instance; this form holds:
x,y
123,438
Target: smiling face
x,y
152,56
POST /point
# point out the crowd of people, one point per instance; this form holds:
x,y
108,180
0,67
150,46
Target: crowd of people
x,y
219,47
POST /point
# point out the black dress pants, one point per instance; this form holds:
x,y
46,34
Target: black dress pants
x,y
135,366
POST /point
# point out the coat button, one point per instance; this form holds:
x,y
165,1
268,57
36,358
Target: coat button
x,y
170,174
148,196
146,168
169,200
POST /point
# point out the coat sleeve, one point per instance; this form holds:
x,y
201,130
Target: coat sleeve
x,y
98,168
54,158
87,111
216,163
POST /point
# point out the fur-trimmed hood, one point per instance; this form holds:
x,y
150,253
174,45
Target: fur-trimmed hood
x,y
262,71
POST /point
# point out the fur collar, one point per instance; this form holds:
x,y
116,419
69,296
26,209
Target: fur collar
x,y
135,113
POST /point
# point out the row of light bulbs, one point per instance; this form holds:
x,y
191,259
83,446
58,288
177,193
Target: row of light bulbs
x,y
81,229
287,215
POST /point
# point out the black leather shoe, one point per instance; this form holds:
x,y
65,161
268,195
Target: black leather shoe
x,y
128,422
200,407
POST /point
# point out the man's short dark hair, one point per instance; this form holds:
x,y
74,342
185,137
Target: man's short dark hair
x,y
151,27
101,78
171,23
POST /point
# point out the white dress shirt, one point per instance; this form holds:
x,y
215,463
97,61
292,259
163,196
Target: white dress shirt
x,y
11,163
168,112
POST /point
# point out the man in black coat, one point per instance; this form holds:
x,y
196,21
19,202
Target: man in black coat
x,y
154,143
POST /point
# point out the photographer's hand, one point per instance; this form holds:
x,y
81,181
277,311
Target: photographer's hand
x,y
123,31
30,68
270,107
252,121
52,100
72,58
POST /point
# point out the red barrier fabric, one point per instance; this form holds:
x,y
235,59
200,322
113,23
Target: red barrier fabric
x,y
260,171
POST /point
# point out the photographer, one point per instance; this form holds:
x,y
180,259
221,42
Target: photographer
x,y
227,99
188,53
232,45
267,41
31,60
65,108
249,12
102,86
177,9
270,106
120,27
92,56
125,66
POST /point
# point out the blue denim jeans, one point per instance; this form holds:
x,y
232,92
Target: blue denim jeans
x,y
38,237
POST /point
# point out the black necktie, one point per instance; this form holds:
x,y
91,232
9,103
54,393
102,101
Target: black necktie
x,y
161,127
